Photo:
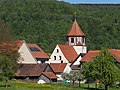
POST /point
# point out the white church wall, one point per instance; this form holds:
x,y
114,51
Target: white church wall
x,y
55,57
80,49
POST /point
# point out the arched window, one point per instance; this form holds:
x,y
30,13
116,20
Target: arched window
x,y
60,57
57,50
54,57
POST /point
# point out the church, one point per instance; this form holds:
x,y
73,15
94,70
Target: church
x,y
73,50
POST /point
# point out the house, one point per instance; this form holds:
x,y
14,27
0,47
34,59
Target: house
x,y
47,77
75,45
63,54
93,53
38,53
36,73
26,56
20,46
60,68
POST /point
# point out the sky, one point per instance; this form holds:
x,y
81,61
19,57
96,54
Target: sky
x,y
93,1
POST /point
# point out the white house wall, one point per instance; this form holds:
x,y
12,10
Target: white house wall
x,y
26,55
80,49
57,54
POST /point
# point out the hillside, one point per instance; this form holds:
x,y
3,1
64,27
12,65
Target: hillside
x,y
45,22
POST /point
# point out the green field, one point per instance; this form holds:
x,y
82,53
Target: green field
x,y
16,85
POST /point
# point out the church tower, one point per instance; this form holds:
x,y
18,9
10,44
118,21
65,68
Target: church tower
x,y
76,38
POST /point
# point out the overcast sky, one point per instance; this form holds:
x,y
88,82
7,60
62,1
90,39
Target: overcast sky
x,y
94,1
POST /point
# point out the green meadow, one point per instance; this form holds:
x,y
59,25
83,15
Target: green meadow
x,y
17,85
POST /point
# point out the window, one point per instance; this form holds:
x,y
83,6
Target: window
x,y
57,50
34,49
61,61
54,57
60,57
72,40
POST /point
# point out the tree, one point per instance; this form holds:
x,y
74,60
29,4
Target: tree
x,y
72,77
6,69
104,69
87,72
80,76
8,45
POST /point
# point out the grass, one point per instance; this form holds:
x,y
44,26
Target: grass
x,y
17,85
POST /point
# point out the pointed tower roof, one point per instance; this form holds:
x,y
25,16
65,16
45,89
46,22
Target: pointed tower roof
x,y
75,30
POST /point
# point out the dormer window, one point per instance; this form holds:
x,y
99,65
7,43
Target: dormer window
x,y
72,40
60,57
57,50
34,49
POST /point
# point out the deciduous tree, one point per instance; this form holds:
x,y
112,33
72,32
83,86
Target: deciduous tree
x,y
6,69
103,68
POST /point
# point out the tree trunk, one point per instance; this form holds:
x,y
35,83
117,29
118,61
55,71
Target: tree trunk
x,y
88,85
73,82
106,87
6,83
95,86
79,83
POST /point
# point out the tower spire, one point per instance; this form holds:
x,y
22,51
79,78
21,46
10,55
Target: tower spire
x,y
75,15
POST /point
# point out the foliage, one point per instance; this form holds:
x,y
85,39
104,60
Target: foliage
x,y
73,76
103,68
45,22
6,69
8,45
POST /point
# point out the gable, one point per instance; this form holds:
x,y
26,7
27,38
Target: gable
x,y
57,53
26,55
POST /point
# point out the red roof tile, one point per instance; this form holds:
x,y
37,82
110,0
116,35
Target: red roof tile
x,y
116,54
31,69
90,56
38,54
58,67
93,53
11,45
50,75
69,52
75,30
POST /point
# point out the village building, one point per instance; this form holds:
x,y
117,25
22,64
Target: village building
x,y
20,46
38,53
60,68
36,73
74,47
28,53
93,53
26,56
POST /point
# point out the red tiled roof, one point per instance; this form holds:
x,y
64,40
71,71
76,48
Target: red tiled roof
x,y
58,67
90,56
31,70
93,53
116,54
19,43
75,30
11,45
50,75
38,54
69,52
